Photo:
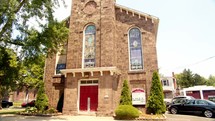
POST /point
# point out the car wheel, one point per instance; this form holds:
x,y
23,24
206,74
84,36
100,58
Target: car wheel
x,y
208,113
173,110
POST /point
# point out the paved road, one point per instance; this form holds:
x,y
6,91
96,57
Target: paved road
x,y
182,117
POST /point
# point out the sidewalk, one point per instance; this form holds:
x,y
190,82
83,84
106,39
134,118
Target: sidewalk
x,y
11,117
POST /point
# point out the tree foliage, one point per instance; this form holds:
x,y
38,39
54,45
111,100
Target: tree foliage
x,y
9,67
155,103
125,98
211,81
31,73
30,25
188,79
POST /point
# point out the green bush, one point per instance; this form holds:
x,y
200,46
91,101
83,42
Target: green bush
x,y
51,110
125,98
42,99
31,110
126,112
155,103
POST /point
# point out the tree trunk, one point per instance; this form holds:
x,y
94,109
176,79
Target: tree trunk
x,y
0,98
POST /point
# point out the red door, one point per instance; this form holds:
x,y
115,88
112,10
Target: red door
x,y
89,98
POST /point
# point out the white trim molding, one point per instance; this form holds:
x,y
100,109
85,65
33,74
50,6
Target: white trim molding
x,y
112,70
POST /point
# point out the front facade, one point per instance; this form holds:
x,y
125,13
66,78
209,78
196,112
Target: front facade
x,y
107,44
169,87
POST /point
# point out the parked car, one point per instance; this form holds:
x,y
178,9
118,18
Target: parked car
x,y
6,104
178,99
211,98
29,104
205,107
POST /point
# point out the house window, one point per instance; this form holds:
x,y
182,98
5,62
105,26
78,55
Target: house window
x,y
89,46
60,67
165,82
61,59
135,49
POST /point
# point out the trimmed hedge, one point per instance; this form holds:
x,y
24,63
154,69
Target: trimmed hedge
x,y
126,112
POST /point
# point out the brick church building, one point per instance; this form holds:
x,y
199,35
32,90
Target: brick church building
x,y
108,43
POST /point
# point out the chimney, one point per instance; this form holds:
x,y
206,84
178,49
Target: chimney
x,y
173,74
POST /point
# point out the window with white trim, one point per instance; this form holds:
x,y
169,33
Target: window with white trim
x,y
60,59
89,46
135,49
165,82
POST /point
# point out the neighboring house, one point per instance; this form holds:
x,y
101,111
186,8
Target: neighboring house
x,y
199,92
107,44
169,87
21,95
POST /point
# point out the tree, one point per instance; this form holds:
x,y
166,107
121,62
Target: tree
x,y
31,74
211,81
198,80
29,27
125,98
8,71
188,79
18,15
41,99
155,103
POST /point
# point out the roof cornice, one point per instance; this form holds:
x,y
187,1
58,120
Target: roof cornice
x,y
141,14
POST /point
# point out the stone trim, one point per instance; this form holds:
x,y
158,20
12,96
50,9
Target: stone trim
x,y
112,70
137,72
141,14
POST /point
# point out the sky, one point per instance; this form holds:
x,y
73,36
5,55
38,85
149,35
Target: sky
x,y
186,33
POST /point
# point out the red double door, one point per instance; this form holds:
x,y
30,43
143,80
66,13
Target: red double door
x,y
88,98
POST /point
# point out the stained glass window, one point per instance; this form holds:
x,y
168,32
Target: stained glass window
x,y
135,46
89,46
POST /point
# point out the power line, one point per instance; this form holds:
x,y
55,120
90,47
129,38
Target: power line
x,y
209,58
187,65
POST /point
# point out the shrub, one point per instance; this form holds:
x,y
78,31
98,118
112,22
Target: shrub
x,y
51,110
126,112
31,110
42,99
125,98
155,103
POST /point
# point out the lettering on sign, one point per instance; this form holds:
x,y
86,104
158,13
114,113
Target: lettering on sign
x,y
138,96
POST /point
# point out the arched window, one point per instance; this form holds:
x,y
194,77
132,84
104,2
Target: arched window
x,y
135,49
89,53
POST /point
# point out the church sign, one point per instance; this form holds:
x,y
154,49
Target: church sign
x,y
138,96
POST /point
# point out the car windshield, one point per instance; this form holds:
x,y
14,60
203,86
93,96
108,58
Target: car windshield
x,y
190,102
179,100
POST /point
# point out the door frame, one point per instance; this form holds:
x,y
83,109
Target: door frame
x,y
79,87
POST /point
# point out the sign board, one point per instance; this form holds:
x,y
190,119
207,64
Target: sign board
x,y
138,96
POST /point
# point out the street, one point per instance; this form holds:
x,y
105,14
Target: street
x,y
183,117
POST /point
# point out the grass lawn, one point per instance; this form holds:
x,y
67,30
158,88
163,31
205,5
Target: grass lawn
x,y
17,104
10,111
